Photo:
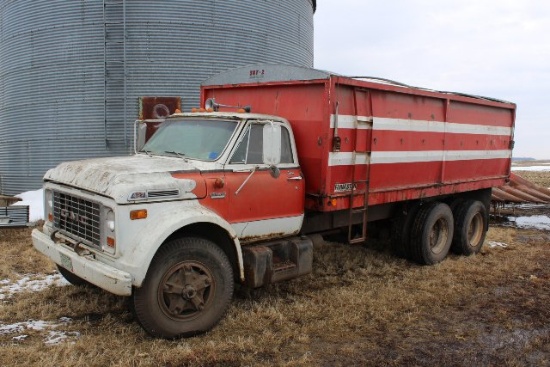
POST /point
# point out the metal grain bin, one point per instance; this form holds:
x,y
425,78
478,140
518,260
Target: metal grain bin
x,y
72,72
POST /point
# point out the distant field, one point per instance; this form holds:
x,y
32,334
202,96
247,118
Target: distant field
x,y
531,162
541,178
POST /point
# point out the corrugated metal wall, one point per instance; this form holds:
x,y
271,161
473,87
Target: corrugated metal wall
x,y
71,72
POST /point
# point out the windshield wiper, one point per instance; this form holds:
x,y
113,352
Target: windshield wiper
x,y
148,152
181,155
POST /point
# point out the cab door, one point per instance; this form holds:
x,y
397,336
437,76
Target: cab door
x,y
264,183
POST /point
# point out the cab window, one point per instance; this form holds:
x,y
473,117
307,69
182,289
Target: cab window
x,y
250,148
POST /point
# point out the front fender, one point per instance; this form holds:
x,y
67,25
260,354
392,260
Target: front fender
x,y
159,227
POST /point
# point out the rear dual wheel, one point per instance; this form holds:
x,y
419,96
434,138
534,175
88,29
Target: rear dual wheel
x,y
431,233
470,227
400,231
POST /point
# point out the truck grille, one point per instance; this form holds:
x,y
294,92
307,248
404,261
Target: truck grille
x,y
77,217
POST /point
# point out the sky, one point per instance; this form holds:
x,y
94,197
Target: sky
x,y
493,48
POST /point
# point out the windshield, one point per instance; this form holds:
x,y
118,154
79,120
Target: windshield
x,y
203,139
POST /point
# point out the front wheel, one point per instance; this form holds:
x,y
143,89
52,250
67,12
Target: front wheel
x,y
187,289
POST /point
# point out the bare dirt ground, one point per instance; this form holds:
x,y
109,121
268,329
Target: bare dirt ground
x,y
361,306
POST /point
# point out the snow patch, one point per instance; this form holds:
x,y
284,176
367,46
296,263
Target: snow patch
x,y
493,244
30,283
534,221
531,168
37,325
33,283
57,337
53,336
35,201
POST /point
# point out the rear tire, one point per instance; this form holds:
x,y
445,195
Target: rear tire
x,y
187,289
400,231
431,233
470,227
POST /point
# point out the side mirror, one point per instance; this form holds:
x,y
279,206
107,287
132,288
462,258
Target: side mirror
x,y
272,144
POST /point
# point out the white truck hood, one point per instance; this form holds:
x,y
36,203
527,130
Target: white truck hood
x,y
118,177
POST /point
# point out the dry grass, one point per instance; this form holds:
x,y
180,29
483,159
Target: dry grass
x,y
361,306
18,257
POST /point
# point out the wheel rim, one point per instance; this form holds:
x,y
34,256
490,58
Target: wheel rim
x,y
439,235
186,290
475,230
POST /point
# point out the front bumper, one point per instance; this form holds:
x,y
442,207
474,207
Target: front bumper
x,y
86,267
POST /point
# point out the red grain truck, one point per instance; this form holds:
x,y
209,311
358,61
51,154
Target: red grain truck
x,y
216,196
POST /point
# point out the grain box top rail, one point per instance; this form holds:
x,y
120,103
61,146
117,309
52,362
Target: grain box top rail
x,y
278,73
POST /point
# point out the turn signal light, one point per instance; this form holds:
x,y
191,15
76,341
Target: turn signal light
x,y
138,214
111,242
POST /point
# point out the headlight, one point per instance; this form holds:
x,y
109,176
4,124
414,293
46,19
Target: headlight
x,y
110,220
109,235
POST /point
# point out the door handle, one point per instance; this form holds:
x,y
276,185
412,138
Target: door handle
x,y
297,178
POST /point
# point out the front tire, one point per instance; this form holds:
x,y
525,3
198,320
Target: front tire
x,y
187,289
470,227
432,233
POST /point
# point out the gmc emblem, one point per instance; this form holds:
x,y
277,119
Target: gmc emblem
x,y
73,217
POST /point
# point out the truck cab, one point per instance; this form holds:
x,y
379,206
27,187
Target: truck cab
x,y
249,166
205,183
